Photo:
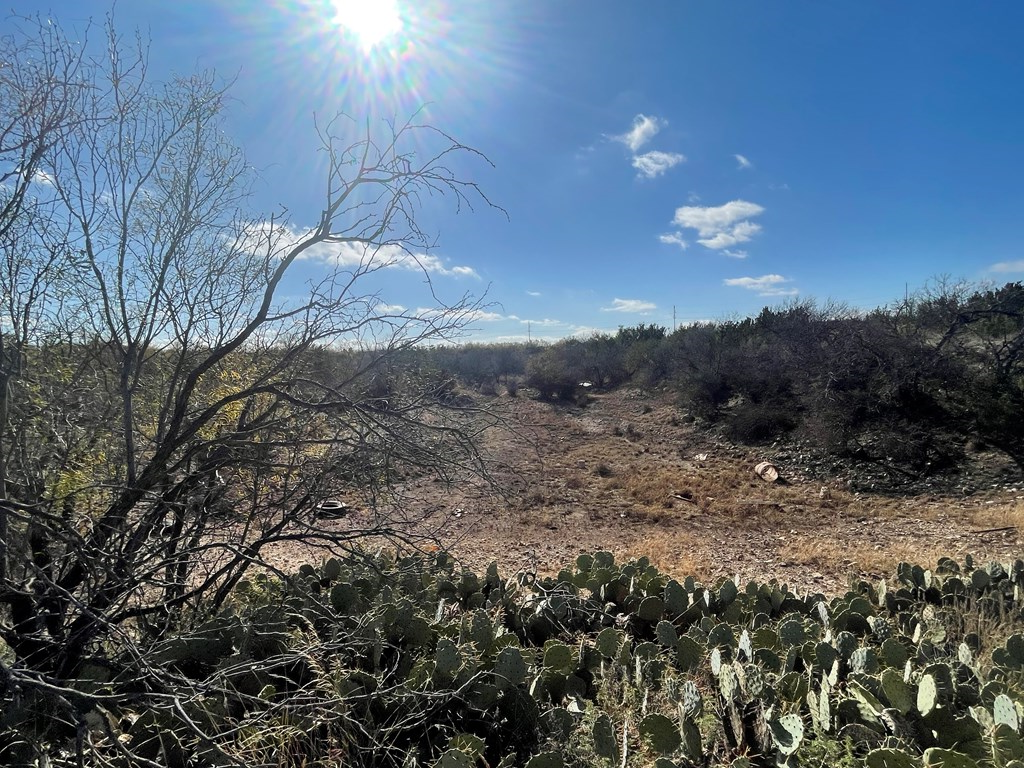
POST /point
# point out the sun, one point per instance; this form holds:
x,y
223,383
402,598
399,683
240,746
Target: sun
x,y
370,21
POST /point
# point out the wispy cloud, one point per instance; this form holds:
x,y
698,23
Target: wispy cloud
x,y
652,164
473,316
1007,267
735,254
630,305
674,238
351,255
720,226
766,285
742,163
535,294
42,177
547,322
584,331
643,130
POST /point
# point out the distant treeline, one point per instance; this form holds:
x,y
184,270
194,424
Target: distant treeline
x,y
909,385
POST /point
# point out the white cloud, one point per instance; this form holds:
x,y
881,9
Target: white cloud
x,y
693,197
429,263
547,322
473,316
742,163
1007,266
735,254
720,226
389,309
483,316
740,233
535,294
515,338
350,255
710,220
643,130
650,165
766,285
630,305
42,177
673,238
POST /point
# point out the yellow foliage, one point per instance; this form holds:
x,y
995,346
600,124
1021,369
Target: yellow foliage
x,y
81,480
225,384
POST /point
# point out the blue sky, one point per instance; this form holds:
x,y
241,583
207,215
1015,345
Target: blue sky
x,y
714,157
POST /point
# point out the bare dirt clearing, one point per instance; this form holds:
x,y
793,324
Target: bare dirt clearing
x,y
628,474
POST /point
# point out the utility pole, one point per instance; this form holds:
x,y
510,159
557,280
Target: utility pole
x,y
529,335
673,318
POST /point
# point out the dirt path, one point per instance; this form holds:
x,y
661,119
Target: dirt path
x,y
628,474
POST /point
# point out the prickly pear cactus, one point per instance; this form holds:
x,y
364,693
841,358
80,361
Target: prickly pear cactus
x,y
692,703
691,740
936,757
661,733
886,757
792,632
666,634
447,660
863,661
1005,712
897,693
1006,745
927,695
558,657
651,608
509,668
605,743
455,758
788,733
546,760
727,683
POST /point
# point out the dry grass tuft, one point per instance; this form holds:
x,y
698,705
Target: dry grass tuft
x,y
860,557
653,487
1007,515
675,553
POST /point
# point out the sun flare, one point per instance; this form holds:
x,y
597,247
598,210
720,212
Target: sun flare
x,y
370,21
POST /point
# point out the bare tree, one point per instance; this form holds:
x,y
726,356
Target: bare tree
x,y
176,411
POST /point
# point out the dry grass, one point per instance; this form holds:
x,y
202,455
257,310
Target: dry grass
x,y
1004,515
677,553
860,556
626,474
651,486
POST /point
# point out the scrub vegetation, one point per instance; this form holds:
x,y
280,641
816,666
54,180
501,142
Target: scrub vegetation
x,y
225,506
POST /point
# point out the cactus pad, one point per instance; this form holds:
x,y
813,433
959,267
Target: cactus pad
x,y
661,733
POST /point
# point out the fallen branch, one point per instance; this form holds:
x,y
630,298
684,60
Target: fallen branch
x,y
996,530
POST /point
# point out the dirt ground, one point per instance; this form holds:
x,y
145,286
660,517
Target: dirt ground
x,y
628,473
